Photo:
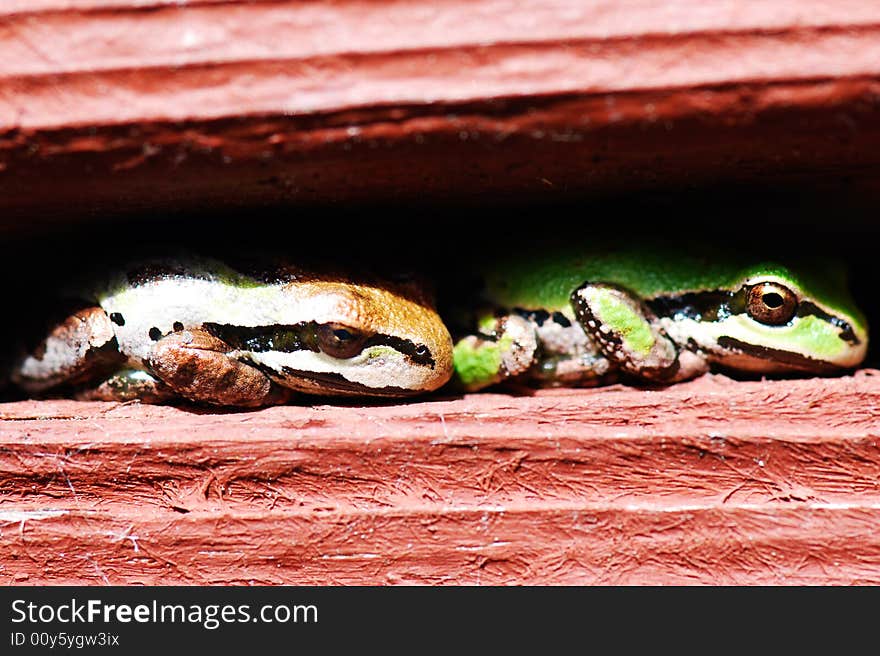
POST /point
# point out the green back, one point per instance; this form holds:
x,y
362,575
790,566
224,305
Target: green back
x,y
545,278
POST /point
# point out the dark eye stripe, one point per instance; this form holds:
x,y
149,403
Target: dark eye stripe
x,y
718,304
416,353
259,339
805,308
288,338
700,306
795,360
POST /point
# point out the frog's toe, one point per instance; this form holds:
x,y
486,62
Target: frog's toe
x,y
488,358
200,367
626,331
80,347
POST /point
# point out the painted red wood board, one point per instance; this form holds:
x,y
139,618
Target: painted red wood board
x,y
711,482
115,106
118,105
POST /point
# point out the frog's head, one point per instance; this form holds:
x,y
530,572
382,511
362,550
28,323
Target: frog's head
x,y
776,319
342,338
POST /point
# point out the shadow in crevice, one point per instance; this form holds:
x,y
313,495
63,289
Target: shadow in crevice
x,y
441,244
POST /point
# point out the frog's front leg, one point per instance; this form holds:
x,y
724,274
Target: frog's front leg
x,y
201,368
629,334
79,348
503,348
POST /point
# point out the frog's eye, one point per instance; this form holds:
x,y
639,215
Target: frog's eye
x,y
771,303
340,341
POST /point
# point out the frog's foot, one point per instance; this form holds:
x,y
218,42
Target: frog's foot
x,y
199,367
568,357
630,335
129,385
79,348
577,370
504,350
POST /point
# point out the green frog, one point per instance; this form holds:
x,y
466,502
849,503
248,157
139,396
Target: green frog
x,y
196,328
582,316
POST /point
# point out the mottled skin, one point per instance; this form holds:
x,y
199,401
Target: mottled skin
x,y
198,329
587,315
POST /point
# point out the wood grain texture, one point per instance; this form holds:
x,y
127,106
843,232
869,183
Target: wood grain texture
x,y
713,481
65,69
116,105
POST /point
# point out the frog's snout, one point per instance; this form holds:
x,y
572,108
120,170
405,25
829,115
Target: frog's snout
x,y
430,359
